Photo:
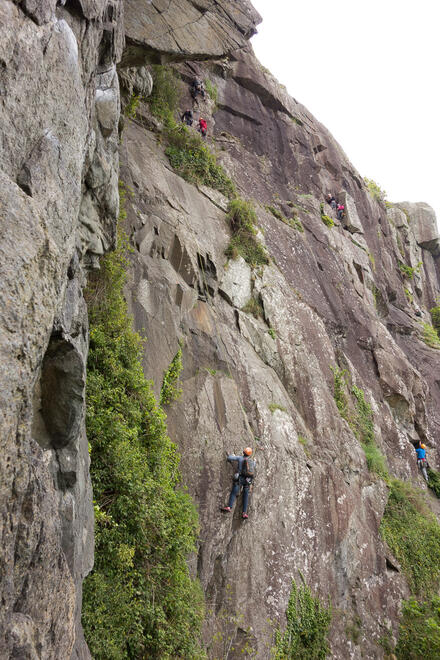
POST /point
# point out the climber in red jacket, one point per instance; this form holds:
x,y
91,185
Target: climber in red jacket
x,y
202,127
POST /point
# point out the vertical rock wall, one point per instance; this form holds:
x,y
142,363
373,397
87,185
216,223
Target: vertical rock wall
x,y
331,297
59,113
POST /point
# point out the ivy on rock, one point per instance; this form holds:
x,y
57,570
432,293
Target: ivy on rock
x,y
139,600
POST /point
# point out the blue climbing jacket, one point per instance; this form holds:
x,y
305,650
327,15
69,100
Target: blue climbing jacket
x,y
421,453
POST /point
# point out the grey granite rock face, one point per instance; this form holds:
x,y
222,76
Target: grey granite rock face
x,y
177,30
58,157
331,296
424,225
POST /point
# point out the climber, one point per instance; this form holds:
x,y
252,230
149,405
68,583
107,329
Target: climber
x,y
421,460
331,200
242,479
341,211
202,127
187,117
197,87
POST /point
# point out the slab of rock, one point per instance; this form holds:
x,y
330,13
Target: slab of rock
x,y
423,222
236,283
175,30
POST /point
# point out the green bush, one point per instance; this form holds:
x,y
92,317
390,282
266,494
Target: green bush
x,y
165,95
359,416
326,219
212,90
139,600
419,631
363,427
131,107
375,190
170,391
192,160
406,270
339,384
413,535
434,481
435,316
242,217
308,621
429,336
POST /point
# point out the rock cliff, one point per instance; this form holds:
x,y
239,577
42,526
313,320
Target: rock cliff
x,y
59,203
352,295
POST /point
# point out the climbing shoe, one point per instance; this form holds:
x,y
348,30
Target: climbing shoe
x,y
245,515
226,509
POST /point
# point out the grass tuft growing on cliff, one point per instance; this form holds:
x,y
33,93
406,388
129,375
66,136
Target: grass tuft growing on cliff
x,y
192,160
434,481
430,336
170,391
308,621
293,221
242,218
375,190
326,219
413,535
419,631
165,95
435,316
139,600
359,415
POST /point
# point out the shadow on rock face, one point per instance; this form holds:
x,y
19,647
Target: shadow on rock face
x,y
62,393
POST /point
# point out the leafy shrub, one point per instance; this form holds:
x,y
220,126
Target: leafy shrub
x,y
429,336
212,90
435,316
131,107
413,535
139,600
409,295
375,190
339,384
193,161
165,95
308,621
407,271
419,631
434,481
363,428
360,419
169,390
326,219
242,217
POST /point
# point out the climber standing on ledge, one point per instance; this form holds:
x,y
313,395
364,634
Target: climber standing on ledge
x,y
242,479
421,460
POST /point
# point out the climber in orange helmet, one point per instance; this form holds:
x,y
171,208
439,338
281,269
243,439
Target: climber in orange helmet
x,y
242,479
421,460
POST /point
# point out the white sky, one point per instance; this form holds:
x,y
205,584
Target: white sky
x,y
369,71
